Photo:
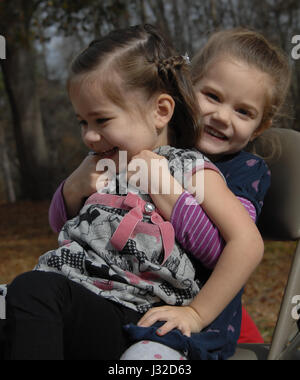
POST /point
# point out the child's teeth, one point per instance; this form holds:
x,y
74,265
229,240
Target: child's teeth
x,y
215,133
108,152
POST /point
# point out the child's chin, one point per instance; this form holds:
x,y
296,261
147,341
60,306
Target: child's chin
x,y
209,147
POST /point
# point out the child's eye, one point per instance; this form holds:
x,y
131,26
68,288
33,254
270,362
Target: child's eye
x,y
243,112
102,121
213,96
82,123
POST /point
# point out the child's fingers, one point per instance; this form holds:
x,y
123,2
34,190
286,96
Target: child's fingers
x,y
171,325
171,321
162,313
150,318
185,331
167,327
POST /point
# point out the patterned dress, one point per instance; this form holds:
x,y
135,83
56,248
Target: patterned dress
x,y
119,246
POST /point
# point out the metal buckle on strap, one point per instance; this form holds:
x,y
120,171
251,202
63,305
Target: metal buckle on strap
x,y
134,216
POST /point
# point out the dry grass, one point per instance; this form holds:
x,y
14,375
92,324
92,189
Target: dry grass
x,y
264,291
25,235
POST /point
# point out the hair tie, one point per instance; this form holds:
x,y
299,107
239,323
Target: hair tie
x,y
173,62
186,58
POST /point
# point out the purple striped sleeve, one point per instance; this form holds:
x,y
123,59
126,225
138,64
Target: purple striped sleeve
x,y
57,210
196,233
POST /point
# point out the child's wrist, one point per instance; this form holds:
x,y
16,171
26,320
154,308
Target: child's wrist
x,y
75,188
73,197
70,189
204,320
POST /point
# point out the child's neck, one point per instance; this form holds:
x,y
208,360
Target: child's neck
x,y
164,137
221,157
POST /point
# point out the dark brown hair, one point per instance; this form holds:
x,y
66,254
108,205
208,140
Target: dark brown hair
x,y
141,57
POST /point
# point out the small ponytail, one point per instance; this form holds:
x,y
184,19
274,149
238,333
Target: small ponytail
x,y
175,74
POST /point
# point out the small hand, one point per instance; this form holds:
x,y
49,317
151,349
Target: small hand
x,y
184,318
84,179
82,183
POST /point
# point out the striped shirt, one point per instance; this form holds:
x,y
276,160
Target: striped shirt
x,y
195,231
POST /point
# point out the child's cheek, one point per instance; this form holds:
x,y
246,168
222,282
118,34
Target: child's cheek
x,y
203,104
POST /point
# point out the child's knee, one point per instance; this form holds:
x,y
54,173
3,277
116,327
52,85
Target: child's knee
x,y
34,285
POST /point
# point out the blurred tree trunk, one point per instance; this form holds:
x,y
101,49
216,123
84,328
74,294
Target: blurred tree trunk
x,y
214,13
158,9
20,82
142,11
7,174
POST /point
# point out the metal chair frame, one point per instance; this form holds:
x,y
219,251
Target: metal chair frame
x,y
280,220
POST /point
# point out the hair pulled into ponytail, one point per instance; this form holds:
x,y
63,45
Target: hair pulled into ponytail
x,y
168,65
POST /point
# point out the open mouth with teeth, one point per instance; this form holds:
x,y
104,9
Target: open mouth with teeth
x,y
109,153
214,133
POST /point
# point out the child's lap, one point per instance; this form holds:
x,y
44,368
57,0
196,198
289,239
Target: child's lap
x,y
92,325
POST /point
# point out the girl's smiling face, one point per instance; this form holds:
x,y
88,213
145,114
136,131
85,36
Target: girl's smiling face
x,y
108,128
232,97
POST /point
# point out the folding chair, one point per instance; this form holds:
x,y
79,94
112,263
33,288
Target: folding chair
x,y
280,221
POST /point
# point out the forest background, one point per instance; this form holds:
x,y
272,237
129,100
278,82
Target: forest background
x,y
40,138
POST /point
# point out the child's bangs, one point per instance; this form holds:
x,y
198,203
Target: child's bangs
x,y
112,86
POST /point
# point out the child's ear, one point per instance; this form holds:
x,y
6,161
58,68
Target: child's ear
x,y
164,109
266,125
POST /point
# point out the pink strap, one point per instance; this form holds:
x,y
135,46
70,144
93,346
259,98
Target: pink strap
x,y
167,233
127,225
136,205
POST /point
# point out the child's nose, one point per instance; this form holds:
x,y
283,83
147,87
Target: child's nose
x,y
91,138
223,114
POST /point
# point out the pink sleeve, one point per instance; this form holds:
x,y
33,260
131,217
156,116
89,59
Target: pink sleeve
x,y
57,210
196,233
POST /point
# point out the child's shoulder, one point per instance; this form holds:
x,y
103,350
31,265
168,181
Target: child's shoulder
x,y
172,153
247,176
183,159
185,162
250,159
243,164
